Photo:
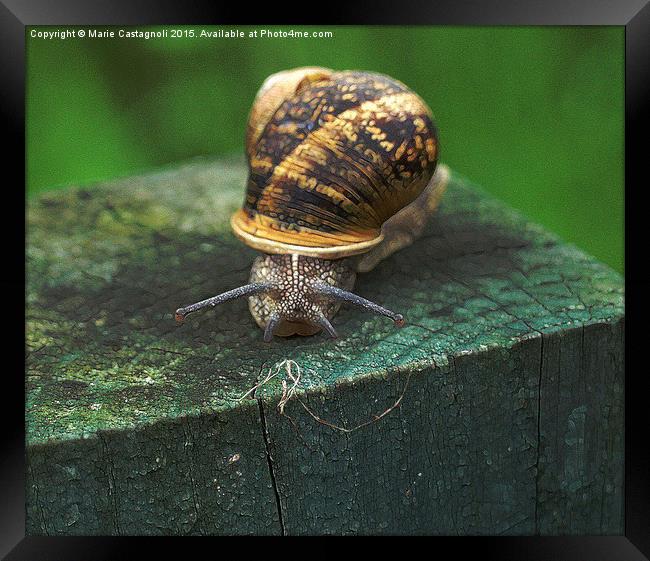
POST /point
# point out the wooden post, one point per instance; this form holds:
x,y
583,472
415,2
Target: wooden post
x,y
508,377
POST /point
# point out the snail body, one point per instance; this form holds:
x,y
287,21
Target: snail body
x,y
342,173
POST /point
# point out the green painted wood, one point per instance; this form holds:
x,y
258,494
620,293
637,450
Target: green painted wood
x,y
511,421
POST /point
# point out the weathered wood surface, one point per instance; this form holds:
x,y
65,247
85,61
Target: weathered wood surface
x,y
512,421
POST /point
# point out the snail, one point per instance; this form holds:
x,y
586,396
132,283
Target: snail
x,y
342,173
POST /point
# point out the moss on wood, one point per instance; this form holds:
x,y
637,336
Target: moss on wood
x,y
512,420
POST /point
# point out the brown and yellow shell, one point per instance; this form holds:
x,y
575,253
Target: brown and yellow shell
x,y
332,156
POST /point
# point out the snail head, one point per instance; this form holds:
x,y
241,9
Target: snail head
x,y
294,294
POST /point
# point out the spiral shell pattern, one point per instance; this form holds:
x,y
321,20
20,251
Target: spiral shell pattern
x,y
332,156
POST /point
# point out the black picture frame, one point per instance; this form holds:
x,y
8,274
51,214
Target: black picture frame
x,y
17,14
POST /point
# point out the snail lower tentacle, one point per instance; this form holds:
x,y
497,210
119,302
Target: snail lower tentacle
x,y
327,326
269,330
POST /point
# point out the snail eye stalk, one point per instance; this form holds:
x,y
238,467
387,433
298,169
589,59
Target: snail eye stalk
x,y
345,296
246,290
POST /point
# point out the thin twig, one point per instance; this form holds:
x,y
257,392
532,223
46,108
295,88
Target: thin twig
x,y
269,376
364,424
289,393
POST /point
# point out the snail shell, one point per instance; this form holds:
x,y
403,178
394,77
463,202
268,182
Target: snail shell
x,y
332,157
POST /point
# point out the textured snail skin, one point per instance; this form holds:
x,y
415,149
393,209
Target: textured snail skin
x,y
295,297
342,173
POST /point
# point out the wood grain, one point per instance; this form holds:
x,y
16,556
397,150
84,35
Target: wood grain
x,y
512,421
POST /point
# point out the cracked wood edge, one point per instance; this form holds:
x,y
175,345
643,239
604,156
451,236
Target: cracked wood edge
x,y
506,443
495,281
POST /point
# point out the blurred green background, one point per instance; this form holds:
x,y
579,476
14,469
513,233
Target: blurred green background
x,y
534,114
